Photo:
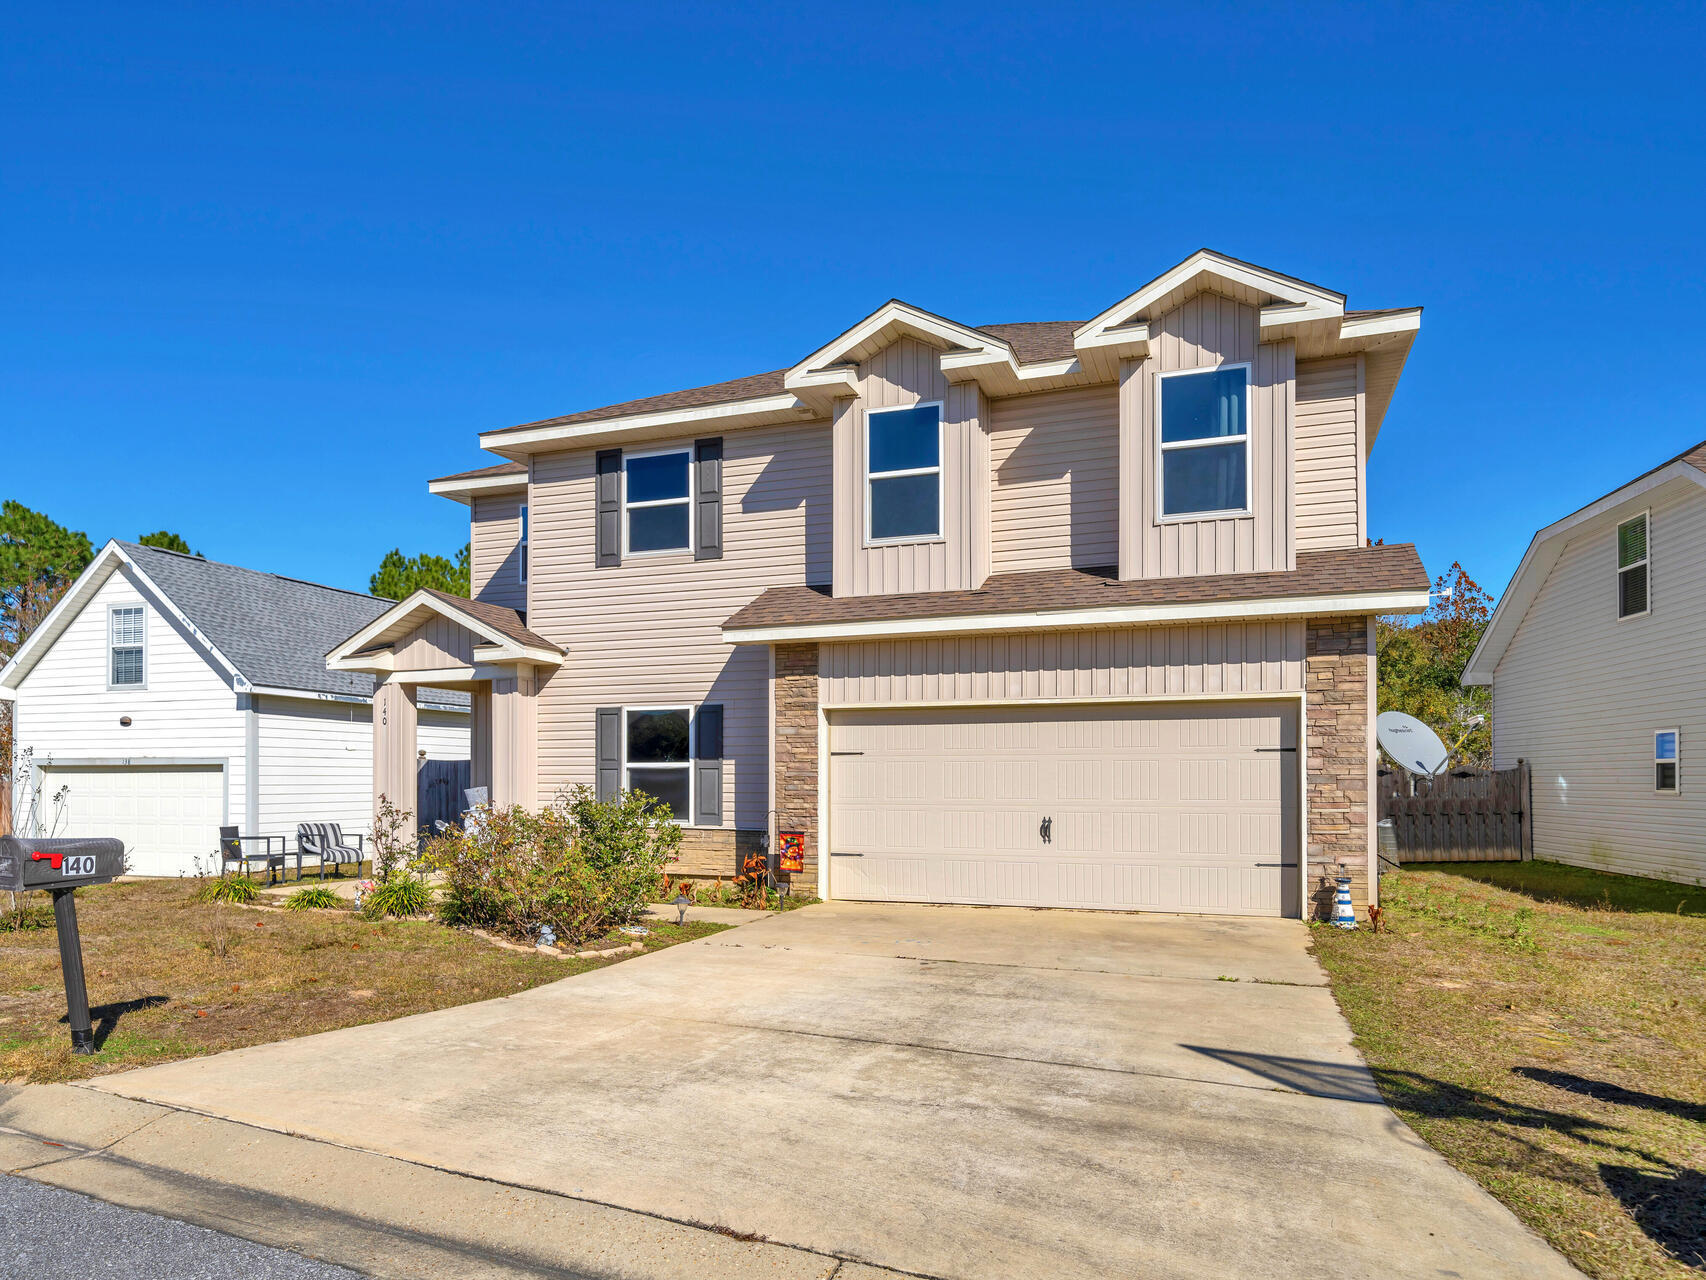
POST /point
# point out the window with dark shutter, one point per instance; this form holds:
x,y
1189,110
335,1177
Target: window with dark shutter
x,y
608,483
708,766
1632,567
607,743
708,498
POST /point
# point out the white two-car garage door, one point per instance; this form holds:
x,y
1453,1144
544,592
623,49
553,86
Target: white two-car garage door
x,y
167,815
1162,807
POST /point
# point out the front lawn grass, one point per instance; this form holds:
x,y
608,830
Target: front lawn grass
x,y
173,978
1544,1027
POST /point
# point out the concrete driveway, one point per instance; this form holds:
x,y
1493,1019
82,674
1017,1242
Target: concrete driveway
x,y
946,1091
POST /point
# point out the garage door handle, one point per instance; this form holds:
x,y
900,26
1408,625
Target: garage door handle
x,y
1276,748
846,855
846,753
1273,864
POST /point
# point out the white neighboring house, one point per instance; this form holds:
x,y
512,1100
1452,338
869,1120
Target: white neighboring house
x,y
1597,660
167,695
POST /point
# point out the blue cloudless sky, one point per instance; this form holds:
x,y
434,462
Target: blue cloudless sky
x,y
264,272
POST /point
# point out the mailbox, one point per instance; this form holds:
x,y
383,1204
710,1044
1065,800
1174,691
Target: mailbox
x,y
58,863
62,866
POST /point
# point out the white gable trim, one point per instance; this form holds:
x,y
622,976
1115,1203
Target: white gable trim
x,y
465,491
348,656
827,366
1542,554
91,580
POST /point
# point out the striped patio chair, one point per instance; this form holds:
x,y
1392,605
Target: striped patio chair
x,y
326,842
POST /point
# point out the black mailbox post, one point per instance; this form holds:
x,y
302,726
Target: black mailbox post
x,y
62,866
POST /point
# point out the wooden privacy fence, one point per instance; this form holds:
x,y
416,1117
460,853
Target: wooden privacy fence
x,y
438,792
1464,815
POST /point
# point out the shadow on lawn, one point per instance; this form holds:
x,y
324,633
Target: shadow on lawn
x,y
106,1016
1604,1091
1578,887
1666,1204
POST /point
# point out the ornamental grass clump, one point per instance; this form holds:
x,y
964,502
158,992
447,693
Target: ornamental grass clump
x,y
313,898
238,889
581,865
404,894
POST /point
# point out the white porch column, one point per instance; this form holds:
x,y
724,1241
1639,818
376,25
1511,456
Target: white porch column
x,y
395,720
515,738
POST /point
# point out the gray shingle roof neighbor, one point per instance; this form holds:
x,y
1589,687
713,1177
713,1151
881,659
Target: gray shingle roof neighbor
x,y
275,630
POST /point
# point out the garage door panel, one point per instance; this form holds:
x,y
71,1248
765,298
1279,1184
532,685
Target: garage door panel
x,y
167,816
1184,807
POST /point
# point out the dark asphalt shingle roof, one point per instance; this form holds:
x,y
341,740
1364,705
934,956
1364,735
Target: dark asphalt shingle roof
x,y
276,631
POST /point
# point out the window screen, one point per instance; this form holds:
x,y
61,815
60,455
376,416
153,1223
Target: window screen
x,y
1632,567
128,629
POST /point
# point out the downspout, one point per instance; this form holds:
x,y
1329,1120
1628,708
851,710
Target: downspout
x,y
251,764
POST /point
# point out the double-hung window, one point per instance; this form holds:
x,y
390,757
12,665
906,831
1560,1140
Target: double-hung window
x,y
1632,581
126,646
521,547
657,756
1205,442
1666,750
656,502
903,474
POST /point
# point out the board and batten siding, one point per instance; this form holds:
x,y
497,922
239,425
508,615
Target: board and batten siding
x,y
186,711
1125,662
649,631
909,372
494,557
1206,331
316,761
1579,694
1328,481
434,645
1054,458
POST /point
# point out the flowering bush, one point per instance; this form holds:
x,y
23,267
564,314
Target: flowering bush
x,y
580,865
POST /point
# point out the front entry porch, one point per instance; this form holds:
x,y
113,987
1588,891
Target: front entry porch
x,y
444,642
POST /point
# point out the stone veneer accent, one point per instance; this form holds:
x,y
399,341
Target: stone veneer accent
x,y
707,853
796,764
1336,671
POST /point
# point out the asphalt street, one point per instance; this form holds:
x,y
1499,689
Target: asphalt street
x,y
52,1234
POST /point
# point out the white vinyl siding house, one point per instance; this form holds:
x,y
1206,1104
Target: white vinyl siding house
x,y
199,741
1586,679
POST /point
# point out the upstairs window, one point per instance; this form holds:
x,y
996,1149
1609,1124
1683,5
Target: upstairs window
x,y
1205,442
521,547
657,756
657,510
127,640
903,473
1632,567
1665,752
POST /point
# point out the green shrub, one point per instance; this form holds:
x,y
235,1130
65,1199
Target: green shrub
x,y
314,898
581,865
26,913
238,889
404,894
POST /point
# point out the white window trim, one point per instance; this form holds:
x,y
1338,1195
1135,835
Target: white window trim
x,y
110,646
687,452
941,495
692,746
521,546
1675,761
1646,518
1162,448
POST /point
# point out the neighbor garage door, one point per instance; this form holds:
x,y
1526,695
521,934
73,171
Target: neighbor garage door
x,y
1171,807
168,816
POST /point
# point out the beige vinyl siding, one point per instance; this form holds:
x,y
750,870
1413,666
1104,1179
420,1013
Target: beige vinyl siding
x,y
909,372
1580,693
1128,662
494,558
649,632
186,711
1329,454
1054,460
436,643
1206,331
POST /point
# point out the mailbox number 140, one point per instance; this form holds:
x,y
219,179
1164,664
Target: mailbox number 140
x,y
82,864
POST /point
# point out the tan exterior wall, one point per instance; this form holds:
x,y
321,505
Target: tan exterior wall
x,y
494,535
1579,694
1329,476
1054,459
1338,670
649,632
395,724
909,372
434,645
1205,331
1131,662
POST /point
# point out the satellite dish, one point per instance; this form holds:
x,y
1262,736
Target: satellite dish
x,y
1411,743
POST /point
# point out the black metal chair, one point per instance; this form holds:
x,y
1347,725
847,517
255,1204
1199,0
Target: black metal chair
x,y
327,842
231,851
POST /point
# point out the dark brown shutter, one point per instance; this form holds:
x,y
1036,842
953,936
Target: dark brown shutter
x,y
609,486
708,498
607,739
708,766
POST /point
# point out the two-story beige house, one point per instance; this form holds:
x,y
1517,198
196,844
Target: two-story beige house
x,y
1065,613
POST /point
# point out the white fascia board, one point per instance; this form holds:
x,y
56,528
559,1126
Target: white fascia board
x,y
465,491
1542,554
511,653
958,335
1305,302
1367,602
102,567
337,659
1130,339
307,695
970,362
1378,326
501,441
